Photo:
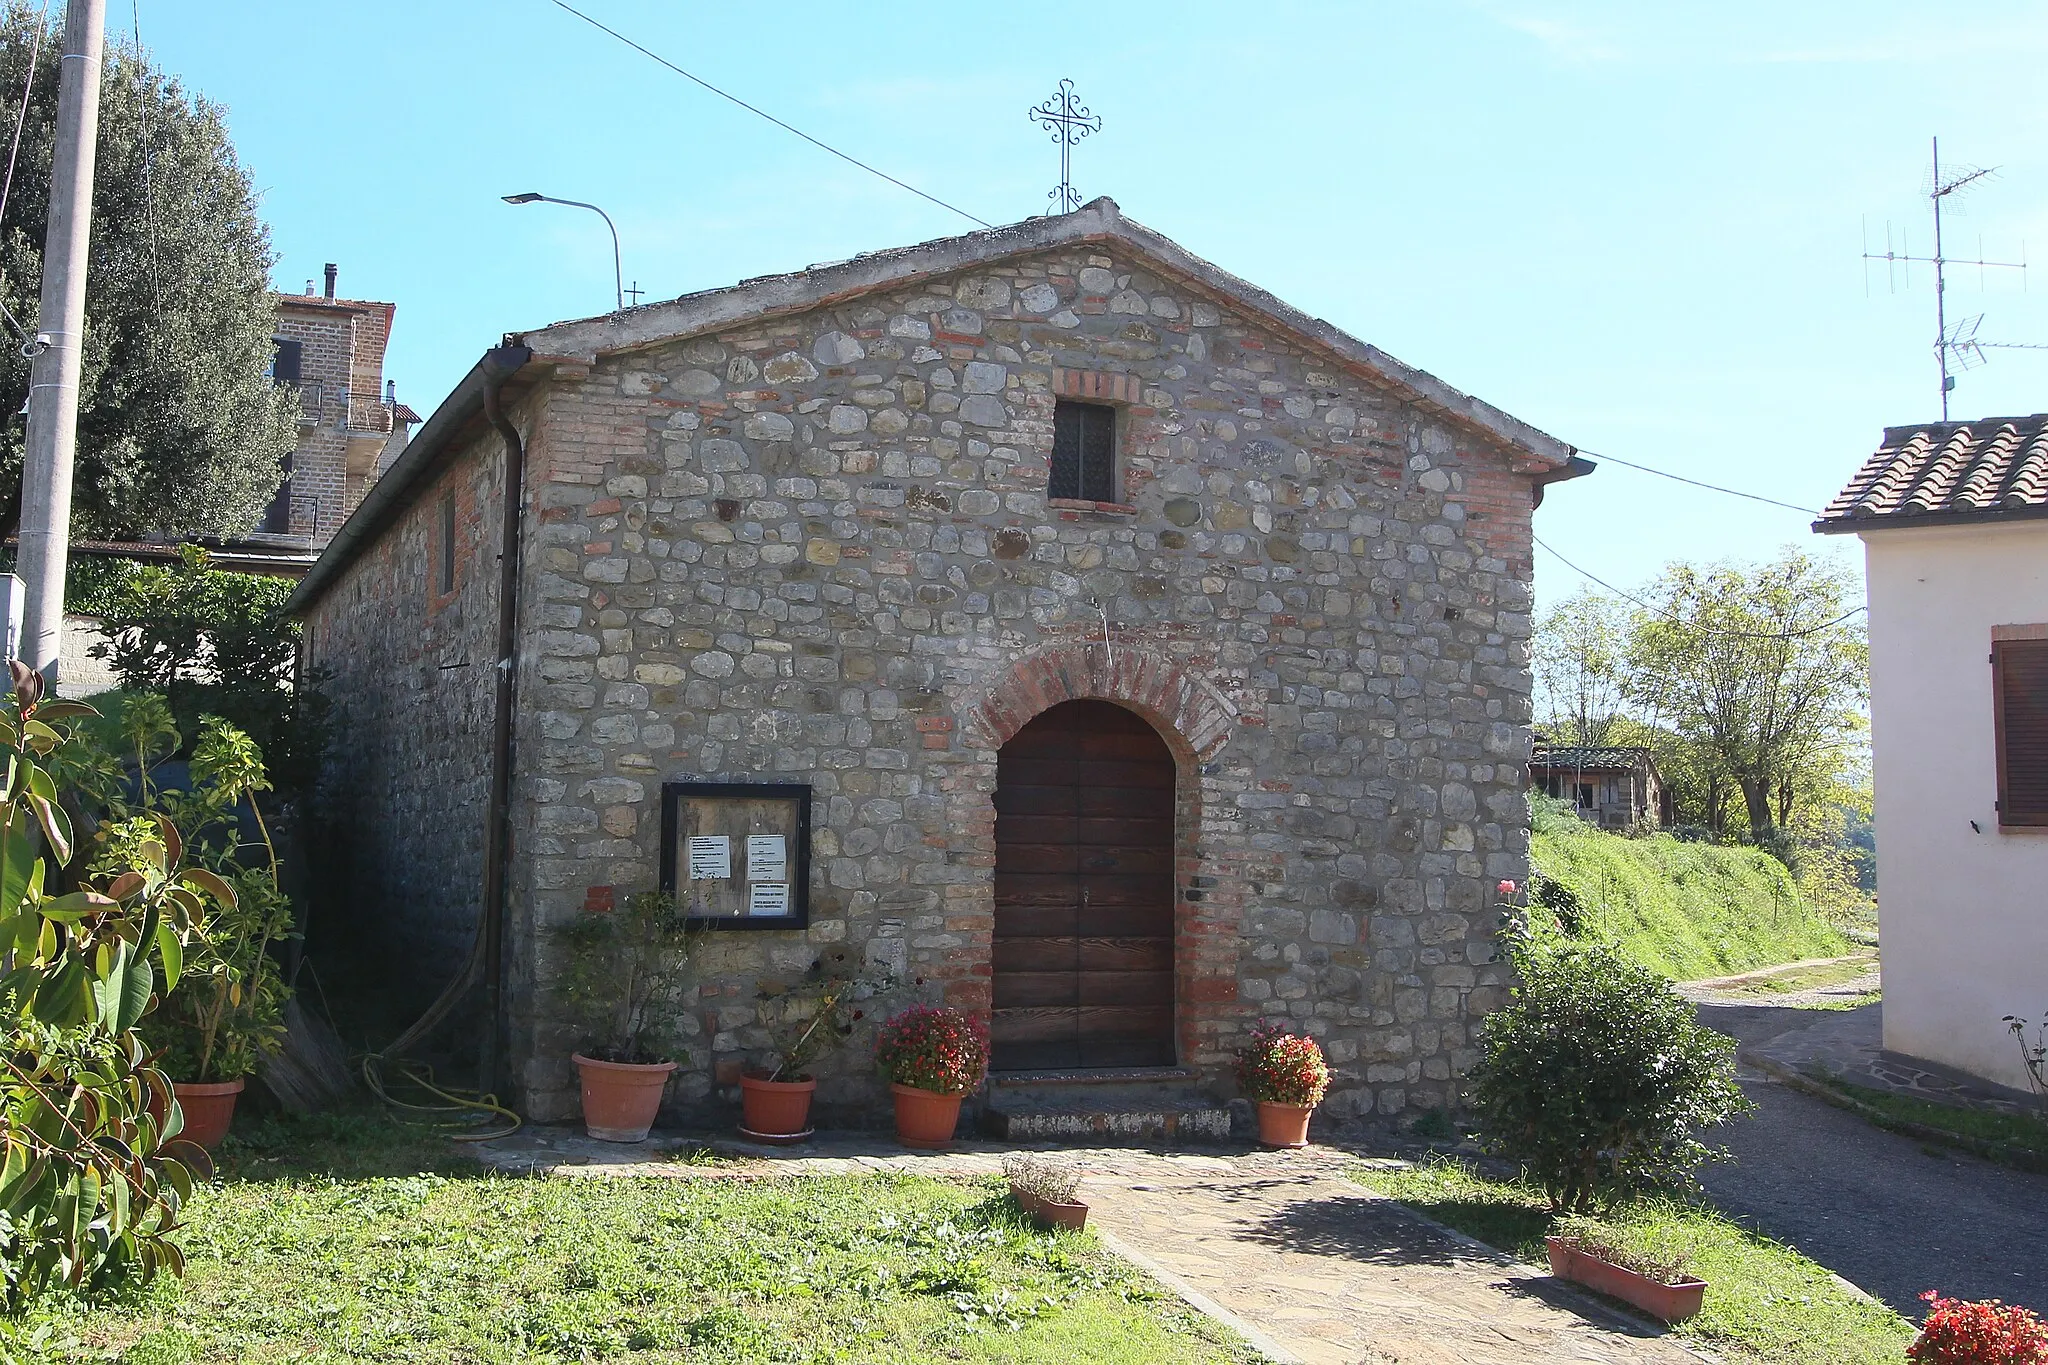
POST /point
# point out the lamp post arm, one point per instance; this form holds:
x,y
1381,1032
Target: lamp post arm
x,y
618,270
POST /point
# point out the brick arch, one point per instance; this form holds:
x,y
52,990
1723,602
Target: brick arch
x,y
1196,721
1192,715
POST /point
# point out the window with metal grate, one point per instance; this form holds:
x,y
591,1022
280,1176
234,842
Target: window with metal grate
x,y
1083,452
2019,673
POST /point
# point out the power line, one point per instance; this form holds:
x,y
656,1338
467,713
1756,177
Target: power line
x,y
763,113
1713,487
1694,625
28,85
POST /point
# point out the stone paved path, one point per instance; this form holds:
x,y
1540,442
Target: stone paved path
x,y
1309,1266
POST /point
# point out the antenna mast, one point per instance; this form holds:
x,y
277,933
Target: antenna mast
x,y
1955,349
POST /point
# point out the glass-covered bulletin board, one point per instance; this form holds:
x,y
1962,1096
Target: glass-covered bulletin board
x,y
737,855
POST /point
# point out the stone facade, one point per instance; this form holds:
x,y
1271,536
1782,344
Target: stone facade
x,y
815,544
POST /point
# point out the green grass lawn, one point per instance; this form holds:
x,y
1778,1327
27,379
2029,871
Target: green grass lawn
x,y
1765,1302
352,1240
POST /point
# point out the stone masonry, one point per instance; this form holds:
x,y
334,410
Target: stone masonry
x,y
815,544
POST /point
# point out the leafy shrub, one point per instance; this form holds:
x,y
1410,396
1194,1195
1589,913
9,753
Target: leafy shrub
x,y
817,1014
939,1049
219,643
1279,1067
93,1174
621,968
1596,1075
1983,1332
1561,901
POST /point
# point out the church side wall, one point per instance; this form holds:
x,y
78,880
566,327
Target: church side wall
x,y
821,549
403,790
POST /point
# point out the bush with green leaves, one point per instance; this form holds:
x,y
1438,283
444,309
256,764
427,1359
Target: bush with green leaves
x,y
1596,1076
621,973
212,642
92,1173
228,1009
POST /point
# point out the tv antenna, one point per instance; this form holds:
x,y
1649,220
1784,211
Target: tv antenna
x,y
1958,348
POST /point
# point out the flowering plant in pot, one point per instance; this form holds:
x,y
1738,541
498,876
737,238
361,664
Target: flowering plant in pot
x,y
1285,1075
932,1057
622,971
226,1010
805,1021
1045,1189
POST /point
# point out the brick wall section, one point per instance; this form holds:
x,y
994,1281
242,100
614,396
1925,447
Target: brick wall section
x,y
402,798
818,548
343,343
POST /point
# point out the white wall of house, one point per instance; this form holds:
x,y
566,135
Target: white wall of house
x,y
1963,913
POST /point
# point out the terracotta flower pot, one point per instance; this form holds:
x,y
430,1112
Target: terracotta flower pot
x,y
209,1107
1049,1214
1283,1125
1665,1302
620,1099
775,1109
924,1118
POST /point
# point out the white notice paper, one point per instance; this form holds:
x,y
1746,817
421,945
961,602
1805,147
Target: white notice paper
x,y
710,857
768,898
766,859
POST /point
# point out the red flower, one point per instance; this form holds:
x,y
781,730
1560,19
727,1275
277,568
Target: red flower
x,y
1986,1332
1506,888
1281,1067
943,1050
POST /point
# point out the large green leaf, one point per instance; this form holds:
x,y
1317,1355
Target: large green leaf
x,y
66,995
17,855
137,987
172,949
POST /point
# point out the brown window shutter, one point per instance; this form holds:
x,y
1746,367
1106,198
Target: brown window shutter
x,y
2019,673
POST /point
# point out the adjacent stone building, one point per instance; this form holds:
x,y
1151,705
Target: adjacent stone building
x,y
1156,654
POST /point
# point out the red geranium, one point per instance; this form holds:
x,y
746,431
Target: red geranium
x,y
1282,1068
1985,1332
943,1050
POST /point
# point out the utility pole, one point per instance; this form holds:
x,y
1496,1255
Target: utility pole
x,y
53,379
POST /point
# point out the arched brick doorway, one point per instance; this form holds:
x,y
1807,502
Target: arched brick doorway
x,y
1084,893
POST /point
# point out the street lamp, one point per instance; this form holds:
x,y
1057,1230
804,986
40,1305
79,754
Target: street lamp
x,y
618,274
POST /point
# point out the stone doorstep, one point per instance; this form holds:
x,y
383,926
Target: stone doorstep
x,y
1103,1105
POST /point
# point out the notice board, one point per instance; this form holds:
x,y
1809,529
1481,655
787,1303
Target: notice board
x,y
737,855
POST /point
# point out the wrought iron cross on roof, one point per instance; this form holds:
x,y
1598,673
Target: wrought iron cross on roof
x,y
1068,120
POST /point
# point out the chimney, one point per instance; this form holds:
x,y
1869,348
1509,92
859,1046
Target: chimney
x,y
309,289
391,393
332,271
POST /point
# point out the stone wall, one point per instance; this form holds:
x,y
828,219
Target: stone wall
x,y
820,548
400,812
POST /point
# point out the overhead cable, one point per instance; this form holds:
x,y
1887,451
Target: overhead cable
x,y
1623,593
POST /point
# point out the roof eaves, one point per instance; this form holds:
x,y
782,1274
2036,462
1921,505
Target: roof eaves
x,y
390,493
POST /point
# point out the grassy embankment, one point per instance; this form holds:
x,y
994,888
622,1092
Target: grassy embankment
x,y
1687,910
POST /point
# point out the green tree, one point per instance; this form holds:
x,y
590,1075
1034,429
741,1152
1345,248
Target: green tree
x,y
1581,665
180,428
1762,670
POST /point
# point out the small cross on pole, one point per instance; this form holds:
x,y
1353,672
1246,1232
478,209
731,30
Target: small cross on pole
x,y
1068,121
633,292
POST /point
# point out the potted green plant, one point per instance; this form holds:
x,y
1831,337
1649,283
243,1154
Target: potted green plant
x,y
1658,1285
621,972
1045,1189
1285,1075
227,1009
806,1021
932,1057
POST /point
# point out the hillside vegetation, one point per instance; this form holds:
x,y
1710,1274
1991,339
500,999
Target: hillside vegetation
x,y
1684,909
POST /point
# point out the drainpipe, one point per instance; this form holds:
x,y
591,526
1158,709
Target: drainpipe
x,y
501,364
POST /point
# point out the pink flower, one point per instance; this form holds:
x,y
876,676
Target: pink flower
x,y
1506,888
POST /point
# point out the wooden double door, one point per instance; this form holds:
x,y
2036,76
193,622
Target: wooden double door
x,y
1084,892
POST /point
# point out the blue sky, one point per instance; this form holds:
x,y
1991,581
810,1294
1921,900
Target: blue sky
x,y
1635,226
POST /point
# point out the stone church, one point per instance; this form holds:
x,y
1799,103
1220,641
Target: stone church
x,y
1134,657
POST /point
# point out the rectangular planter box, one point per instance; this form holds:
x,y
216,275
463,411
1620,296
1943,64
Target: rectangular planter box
x,y
1665,1302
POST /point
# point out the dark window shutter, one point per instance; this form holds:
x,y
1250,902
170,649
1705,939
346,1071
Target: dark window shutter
x,y
447,543
277,518
1083,452
285,360
2019,671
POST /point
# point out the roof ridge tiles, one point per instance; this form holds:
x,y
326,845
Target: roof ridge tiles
x,y
1984,468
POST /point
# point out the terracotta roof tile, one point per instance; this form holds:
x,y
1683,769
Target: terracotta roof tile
x,y
1948,471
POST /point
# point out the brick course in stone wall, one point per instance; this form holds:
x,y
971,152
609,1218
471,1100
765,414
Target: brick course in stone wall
x,y
818,548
